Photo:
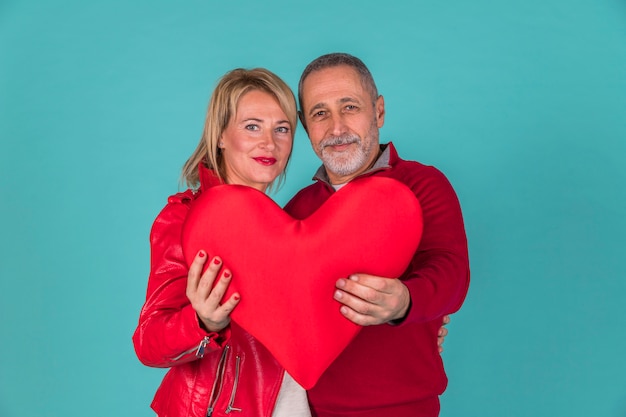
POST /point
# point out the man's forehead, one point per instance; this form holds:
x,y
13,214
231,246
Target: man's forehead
x,y
333,85
340,73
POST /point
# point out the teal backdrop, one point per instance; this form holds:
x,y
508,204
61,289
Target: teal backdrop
x,y
521,104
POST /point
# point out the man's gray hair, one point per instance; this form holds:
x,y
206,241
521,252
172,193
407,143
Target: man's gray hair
x,y
336,59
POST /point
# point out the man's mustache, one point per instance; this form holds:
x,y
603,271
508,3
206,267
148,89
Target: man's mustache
x,y
340,140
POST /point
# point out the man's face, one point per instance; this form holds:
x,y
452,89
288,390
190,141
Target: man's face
x,y
342,119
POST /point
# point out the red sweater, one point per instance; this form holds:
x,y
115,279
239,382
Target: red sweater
x,y
396,370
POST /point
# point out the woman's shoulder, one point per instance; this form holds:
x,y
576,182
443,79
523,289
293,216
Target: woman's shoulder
x,y
175,211
185,197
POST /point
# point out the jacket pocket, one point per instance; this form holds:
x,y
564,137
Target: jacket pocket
x,y
233,393
218,382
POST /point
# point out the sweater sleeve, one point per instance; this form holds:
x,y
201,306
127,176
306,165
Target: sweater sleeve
x,y
169,332
438,275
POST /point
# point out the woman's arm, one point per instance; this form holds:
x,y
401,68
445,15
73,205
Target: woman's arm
x,y
169,330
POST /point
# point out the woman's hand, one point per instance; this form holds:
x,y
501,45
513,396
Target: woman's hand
x,y
206,299
443,332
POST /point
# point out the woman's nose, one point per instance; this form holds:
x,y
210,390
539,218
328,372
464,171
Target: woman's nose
x,y
268,141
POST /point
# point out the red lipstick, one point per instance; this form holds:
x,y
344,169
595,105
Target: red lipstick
x,y
265,161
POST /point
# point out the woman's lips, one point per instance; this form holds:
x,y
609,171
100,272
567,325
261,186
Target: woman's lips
x,y
265,161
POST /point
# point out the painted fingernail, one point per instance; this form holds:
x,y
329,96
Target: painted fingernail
x,y
236,297
226,274
216,261
201,254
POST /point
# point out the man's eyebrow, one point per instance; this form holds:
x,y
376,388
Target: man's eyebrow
x,y
316,107
340,101
348,99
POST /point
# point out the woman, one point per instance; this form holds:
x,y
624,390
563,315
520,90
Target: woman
x,y
247,140
216,367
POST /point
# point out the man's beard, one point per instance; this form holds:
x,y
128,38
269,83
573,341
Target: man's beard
x,y
347,162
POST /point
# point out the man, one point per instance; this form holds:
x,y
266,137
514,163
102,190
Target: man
x,y
392,367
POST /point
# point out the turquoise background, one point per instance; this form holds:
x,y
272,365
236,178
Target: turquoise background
x,y
521,104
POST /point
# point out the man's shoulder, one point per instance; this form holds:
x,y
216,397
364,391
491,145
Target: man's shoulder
x,y
315,187
401,166
424,180
307,199
307,192
410,170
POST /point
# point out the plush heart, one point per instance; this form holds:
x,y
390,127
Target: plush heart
x,y
285,269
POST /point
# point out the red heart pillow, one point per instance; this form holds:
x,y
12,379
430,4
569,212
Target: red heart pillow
x,y
285,269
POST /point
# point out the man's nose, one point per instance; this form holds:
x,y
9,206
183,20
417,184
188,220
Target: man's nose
x,y
338,125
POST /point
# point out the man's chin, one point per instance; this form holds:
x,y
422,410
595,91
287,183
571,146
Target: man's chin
x,y
340,168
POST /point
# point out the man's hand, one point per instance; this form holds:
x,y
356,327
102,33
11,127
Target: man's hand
x,y
368,300
442,333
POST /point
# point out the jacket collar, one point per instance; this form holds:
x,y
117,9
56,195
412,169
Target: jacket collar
x,y
207,177
387,158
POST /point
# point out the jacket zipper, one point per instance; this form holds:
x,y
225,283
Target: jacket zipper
x,y
199,350
202,347
217,383
230,407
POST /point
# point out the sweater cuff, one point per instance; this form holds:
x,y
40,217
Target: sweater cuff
x,y
401,320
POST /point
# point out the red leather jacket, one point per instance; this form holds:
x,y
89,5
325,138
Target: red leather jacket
x,y
212,374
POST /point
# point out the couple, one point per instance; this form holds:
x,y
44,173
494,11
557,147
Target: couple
x,y
393,366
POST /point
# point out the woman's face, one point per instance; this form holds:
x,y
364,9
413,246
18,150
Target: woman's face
x,y
257,141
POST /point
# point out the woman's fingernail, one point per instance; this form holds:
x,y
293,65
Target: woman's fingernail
x,y
201,254
216,261
226,274
236,297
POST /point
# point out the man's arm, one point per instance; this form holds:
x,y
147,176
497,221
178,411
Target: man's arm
x,y
436,281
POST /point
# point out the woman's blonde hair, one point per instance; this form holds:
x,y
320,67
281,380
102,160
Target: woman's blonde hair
x,y
223,106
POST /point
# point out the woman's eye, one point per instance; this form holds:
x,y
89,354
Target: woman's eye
x,y
252,127
282,129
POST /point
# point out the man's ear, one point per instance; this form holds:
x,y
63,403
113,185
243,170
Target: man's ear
x,y
301,117
380,111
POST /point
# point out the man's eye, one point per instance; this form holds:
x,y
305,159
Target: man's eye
x,y
319,113
351,107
